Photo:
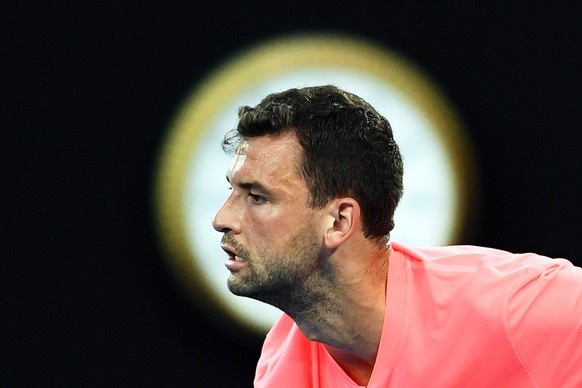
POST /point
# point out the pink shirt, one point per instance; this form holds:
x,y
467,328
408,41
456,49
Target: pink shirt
x,y
457,316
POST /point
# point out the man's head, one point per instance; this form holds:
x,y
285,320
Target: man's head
x,y
316,175
348,149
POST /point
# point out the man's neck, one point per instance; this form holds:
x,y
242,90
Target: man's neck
x,y
359,370
346,313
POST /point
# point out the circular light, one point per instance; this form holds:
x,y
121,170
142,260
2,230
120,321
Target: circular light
x,y
191,184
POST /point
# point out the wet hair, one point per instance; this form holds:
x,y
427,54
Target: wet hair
x,y
348,149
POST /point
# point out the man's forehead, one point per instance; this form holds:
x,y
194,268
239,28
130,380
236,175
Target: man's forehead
x,y
269,146
236,162
267,154
241,147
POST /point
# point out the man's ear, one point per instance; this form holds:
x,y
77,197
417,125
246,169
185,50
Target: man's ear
x,y
343,220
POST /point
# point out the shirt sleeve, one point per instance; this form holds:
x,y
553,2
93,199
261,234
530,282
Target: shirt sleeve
x,y
544,318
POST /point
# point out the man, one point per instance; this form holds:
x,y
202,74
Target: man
x,y
316,177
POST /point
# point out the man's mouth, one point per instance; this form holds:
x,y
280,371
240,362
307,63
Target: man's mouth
x,y
231,253
234,256
234,261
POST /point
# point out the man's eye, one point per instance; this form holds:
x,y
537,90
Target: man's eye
x,y
257,199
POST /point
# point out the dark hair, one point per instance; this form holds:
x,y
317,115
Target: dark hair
x,y
348,148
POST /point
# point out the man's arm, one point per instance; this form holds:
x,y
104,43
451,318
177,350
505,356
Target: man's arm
x,y
545,323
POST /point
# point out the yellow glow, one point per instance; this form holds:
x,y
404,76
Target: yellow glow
x,y
269,60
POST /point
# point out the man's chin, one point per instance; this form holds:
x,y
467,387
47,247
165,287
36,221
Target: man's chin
x,y
239,288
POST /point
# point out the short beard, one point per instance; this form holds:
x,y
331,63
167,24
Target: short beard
x,y
291,282
298,290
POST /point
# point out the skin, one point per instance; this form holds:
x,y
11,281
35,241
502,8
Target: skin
x,y
313,263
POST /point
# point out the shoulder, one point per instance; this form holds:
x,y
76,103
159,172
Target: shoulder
x,y
481,276
544,318
470,259
537,301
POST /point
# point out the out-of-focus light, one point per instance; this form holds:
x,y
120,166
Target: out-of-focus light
x,y
190,181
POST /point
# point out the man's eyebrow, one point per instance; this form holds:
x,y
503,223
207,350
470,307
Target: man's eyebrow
x,y
251,185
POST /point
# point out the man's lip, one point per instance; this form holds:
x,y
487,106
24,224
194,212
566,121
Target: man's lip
x,y
231,252
228,250
234,263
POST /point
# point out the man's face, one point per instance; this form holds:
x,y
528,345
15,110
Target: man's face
x,y
271,235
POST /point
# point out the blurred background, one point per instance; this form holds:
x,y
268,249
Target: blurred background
x,y
87,94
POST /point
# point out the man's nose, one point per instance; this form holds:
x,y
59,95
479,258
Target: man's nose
x,y
225,219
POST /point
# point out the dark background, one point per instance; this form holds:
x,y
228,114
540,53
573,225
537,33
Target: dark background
x,y
87,91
